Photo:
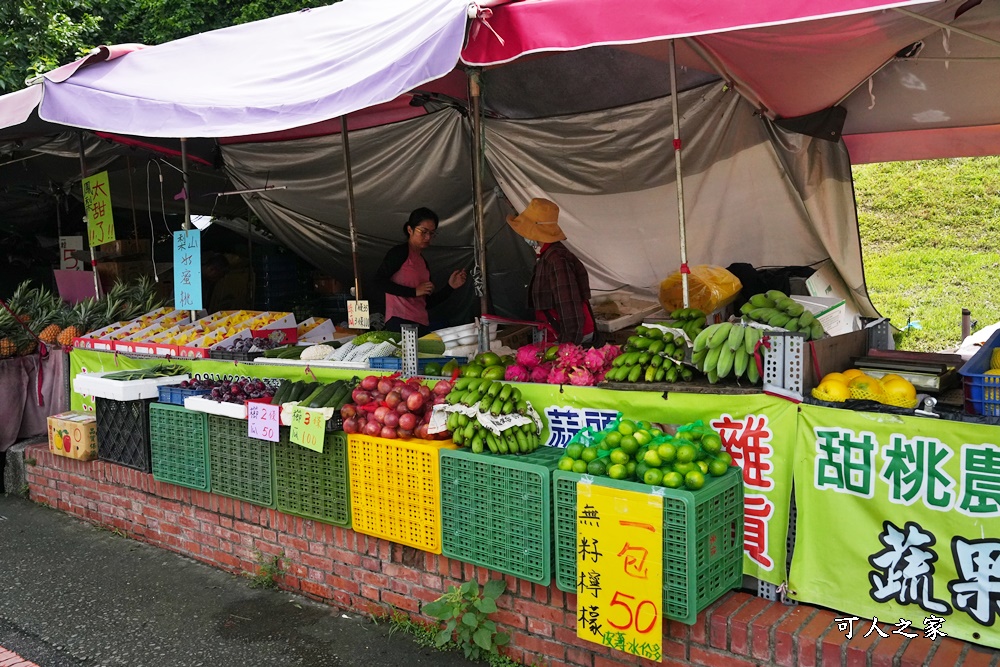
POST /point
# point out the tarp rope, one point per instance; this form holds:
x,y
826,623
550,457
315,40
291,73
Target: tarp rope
x,y
43,351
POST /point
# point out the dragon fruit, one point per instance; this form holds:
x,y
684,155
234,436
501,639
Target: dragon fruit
x,y
594,359
599,377
570,355
516,373
610,352
558,375
528,356
581,377
541,373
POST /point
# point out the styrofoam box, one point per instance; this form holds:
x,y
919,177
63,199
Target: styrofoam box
x,y
634,308
232,410
832,312
94,384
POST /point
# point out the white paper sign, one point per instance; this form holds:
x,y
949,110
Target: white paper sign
x,y
67,246
262,421
357,315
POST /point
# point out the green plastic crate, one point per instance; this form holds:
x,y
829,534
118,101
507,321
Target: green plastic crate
x,y
178,443
239,466
702,539
313,485
496,511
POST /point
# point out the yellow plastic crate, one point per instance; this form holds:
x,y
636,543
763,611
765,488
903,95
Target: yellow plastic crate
x,y
396,489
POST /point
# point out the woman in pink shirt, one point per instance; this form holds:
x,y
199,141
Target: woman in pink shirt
x,y
406,279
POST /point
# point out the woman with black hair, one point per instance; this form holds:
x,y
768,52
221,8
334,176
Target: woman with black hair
x,y
406,279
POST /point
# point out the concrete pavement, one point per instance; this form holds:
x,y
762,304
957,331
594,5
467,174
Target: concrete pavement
x,y
72,595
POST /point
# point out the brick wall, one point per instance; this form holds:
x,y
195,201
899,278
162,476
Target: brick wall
x,y
354,571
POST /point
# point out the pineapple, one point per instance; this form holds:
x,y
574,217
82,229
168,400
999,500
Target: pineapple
x,y
50,333
8,348
20,301
77,321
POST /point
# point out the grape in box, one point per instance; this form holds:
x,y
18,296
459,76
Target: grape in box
x,y
389,407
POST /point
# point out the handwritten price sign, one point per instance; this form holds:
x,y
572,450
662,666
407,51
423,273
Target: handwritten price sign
x,y
308,428
97,202
262,421
358,315
619,564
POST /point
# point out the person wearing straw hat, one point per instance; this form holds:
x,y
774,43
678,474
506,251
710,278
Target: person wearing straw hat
x,y
405,277
560,287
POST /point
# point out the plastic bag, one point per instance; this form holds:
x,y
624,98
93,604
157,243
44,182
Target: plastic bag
x,y
709,288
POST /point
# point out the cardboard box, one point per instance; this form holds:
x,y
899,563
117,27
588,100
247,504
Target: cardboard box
x,y
832,354
832,312
73,435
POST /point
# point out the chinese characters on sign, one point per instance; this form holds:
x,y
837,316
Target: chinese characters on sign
x,y
187,270
262,421
358,315
97,203
932,627
308,428
619,564
67,246
748,441
565,422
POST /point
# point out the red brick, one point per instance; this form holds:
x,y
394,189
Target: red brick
x,y
884,653
538,645
509,619
541,628
739,625
400,601
675,649
538,611
719,619
859,646
832,647
808,637
714,658
784,635
761,629
978,657
319,590
947,653
577,656
676,630
917,650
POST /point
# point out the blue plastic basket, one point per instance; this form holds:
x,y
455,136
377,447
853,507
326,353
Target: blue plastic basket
x,y
396,363
176,395
982,391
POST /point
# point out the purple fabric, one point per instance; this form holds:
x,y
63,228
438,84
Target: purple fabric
x,y
270,75
23,416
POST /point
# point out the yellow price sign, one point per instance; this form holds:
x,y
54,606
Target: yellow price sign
x,y
97,202
308,428
619,565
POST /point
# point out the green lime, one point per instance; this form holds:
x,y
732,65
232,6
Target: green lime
x,y
694,480
702,466
673,480
629,445
604,446
667,452
630,468
640,469
717,467
726,457
686,453
645,425
685,468
655,432
579,466
652,459
653,477
711,443
589,453
597,468
617,471
574,450
627,427
618,456
613,438
642,436
565,463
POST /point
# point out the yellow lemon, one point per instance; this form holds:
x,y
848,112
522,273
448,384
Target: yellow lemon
x,y
835,390
863,386
889,377
839,377
899,388
851,373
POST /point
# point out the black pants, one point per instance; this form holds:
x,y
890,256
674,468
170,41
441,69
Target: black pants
x,y
396,323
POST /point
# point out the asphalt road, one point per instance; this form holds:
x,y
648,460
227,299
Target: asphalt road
x,y
72,595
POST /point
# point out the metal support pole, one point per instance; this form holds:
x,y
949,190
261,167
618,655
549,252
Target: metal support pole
x,y
681,223
93,255
477,185
350,206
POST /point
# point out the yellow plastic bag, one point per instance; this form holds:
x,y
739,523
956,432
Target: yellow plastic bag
x,y
709,288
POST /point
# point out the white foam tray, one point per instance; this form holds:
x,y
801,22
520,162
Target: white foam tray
x,y
199,404
320,363
94,384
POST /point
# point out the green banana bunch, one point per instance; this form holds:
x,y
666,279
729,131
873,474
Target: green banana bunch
x,y
727,349
651,355
776,309
690,320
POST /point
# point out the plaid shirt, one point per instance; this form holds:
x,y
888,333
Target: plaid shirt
x,y
560,288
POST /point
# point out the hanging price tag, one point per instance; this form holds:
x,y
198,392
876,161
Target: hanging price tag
x,y
262,421
619,565
308,428
357,315
97,202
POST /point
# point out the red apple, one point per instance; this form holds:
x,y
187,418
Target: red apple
x,y
360,396
349,410
406,391
373,428
421,432
415,401
407,422
389,433
393,398
381,412
385,385
350,425
402,409
391,419
370,383
442,388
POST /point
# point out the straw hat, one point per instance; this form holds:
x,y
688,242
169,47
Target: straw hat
x,y
538,222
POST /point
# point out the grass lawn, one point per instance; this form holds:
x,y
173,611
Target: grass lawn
x,y
930,238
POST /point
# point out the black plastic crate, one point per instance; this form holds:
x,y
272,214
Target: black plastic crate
x,y
234,356
123,432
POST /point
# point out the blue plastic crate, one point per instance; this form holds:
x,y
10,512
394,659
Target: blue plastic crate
x,y
982,391
396,363
175,395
